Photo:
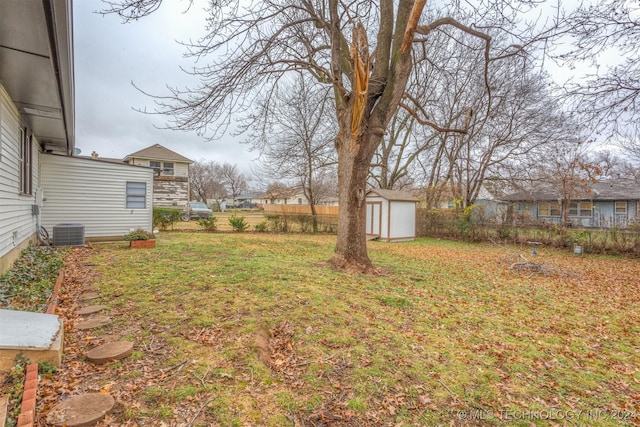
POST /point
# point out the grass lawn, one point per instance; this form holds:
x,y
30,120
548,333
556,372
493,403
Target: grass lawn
x,y
254,329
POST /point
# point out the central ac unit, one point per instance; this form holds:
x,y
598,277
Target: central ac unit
x,y
68,235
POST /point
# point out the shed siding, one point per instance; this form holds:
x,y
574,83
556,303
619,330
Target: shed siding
x,y
17,224
93,193
402,225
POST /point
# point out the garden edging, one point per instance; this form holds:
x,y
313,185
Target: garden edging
x,y
30,392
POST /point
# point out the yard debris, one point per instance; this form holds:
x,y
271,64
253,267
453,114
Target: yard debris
x,y
282,355
520,263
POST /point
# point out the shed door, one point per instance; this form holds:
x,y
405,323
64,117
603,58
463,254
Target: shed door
x,y
374,218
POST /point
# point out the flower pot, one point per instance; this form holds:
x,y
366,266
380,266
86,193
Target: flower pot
x,y
142,244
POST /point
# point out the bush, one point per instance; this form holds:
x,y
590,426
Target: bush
x,y
164,218
465,223
238,223
139,234
305,222
278,223
209,224
262,227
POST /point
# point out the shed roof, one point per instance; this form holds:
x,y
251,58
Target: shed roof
x,y
393,195
158,152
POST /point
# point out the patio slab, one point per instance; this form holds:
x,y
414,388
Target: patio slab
x,y
36,336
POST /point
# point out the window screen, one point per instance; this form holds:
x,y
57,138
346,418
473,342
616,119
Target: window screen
x,y
136,195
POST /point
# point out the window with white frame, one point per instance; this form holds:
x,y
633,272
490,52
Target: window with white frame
x,y
621,208
136,195
26,167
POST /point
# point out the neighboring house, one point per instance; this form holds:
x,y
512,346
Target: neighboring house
x,y
294,196
247,200
607,204
171,178
285,196
40,180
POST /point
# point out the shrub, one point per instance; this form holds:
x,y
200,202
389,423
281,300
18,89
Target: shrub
x,y
164,218
238,223
305,222
262,227
139,234
465,222
209,224
278,223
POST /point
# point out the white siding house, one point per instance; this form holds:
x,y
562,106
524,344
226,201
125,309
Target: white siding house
x,y
18,181
390,215
36,109
40,180
108,199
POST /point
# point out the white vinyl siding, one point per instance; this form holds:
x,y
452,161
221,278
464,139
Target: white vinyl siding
x,y
17,224
93,193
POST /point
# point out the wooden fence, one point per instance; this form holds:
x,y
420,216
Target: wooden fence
x,y
300,210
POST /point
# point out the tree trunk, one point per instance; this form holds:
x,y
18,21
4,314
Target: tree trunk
x,y
354,159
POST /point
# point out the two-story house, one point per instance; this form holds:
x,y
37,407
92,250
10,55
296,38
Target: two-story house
x,y
171,177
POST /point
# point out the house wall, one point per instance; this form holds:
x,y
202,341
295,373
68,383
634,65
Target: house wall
x,y
172,193
603,215
169,191
180,170
17,223
92,193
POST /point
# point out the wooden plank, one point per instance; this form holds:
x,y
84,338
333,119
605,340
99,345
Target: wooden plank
x,y
300,210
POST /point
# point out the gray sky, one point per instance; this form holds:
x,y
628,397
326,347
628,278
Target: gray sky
x,y
110,55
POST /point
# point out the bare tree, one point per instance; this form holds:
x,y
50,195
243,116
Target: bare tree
x,y
608,97
233,180
296,138
365,51
204,180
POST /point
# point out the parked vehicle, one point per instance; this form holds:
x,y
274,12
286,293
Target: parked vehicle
x,y
197,210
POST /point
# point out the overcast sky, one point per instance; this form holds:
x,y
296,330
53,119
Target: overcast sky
x,y
110,55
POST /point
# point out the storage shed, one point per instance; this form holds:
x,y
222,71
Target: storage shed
x,y
391,215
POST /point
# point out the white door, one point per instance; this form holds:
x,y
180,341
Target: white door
x,y
374,218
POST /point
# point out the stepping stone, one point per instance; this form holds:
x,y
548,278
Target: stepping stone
x,y
83,410
110,351
91,309
93,322
89,296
